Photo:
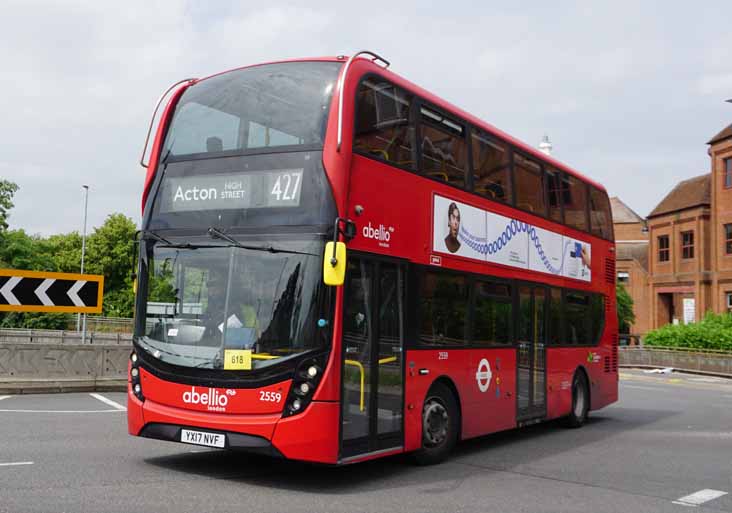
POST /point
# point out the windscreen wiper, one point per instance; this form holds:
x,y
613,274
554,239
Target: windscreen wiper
x,y
155,236
165,243
218,234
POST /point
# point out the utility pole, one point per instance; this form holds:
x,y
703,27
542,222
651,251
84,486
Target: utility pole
x,y
83,252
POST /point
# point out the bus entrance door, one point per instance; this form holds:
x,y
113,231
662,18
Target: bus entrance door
x,y
373,379
531,379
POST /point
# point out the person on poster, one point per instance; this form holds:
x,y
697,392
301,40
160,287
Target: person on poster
x,y
453,225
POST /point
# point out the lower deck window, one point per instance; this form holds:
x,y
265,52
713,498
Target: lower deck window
x,y
444,308
493,314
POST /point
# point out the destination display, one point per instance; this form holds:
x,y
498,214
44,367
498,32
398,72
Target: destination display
x,y
470,232
240,190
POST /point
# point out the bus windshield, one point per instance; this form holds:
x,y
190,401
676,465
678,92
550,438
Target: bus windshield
x,y
268,106
204,300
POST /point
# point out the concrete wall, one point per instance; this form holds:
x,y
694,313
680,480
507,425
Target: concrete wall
x,y
46,361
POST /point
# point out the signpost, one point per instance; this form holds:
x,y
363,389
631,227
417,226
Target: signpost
x,y
34,291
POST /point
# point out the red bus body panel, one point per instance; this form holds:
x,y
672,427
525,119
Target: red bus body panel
x,y
401,202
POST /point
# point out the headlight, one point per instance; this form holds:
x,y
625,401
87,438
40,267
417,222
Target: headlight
x,y
135,376
304,383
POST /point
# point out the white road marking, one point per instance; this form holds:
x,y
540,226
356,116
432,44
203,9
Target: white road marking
x,y
108,402
700,497
707,380
640,387
4,397
16,463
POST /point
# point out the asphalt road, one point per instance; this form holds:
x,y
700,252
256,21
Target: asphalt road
x,y
667,438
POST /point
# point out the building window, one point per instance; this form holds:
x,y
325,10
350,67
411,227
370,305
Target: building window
x,y
623,278
729,300
687,244
664,254
728,239
727,173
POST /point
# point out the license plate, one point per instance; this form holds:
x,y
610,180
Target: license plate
x,y
202,438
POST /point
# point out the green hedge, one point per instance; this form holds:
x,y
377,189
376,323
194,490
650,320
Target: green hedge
x,y
712,332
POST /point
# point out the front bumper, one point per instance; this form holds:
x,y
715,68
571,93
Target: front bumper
x,y
308,436
236,441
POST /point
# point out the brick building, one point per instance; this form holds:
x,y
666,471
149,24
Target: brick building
x,y
631,246
680,264
720,151
677,263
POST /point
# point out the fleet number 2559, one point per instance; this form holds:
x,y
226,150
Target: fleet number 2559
x,y
270,397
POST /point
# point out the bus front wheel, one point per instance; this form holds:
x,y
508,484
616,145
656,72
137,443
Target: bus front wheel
x,y
580,401
440,421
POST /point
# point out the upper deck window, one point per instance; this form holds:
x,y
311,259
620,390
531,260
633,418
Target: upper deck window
x,y
554,185
271,106
575,203
491,168
443,147
529,185
600,216
382,123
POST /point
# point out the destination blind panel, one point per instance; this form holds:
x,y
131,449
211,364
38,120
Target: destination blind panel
x,y
240,190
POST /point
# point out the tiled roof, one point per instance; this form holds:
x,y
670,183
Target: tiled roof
x,y
724,134
687,194
633,251
622,213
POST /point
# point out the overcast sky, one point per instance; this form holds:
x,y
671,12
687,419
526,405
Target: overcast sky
x,y
629,94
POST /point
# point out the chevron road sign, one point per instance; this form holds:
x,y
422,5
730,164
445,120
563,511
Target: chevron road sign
x,y
33,291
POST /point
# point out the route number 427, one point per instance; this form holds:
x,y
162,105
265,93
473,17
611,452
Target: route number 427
x,y
286,186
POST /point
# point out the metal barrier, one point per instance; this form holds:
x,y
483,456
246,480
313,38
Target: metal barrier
x,y
684,359
24,336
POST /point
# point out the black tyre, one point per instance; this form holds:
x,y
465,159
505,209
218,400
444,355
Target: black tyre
x,y
440,425
580,401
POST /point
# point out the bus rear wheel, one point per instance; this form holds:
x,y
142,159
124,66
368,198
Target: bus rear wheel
x,y
440,421
580,401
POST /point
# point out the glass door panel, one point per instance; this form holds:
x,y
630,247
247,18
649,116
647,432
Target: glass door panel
x,y
373,334
391,321
357,335
531,366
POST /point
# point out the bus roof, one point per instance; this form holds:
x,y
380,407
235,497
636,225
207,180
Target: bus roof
x,y
443,104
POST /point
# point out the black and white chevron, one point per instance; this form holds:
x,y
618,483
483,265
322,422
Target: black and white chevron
x,y
22,291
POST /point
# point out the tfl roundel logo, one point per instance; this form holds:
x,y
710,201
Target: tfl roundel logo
x,y
484,375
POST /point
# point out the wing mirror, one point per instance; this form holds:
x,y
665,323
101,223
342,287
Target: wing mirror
x,y
334,259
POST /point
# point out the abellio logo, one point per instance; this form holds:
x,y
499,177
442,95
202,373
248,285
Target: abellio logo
x,y
212,398
381,234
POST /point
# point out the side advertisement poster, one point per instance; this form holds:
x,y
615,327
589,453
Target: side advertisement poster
x,y
463,230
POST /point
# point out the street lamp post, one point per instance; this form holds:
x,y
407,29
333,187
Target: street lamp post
x,y
83,252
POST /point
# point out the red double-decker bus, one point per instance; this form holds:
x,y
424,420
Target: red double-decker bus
x,y
336,265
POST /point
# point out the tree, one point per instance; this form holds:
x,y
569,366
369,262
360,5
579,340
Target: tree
x,y
626,317
7,190
110,251
19,250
